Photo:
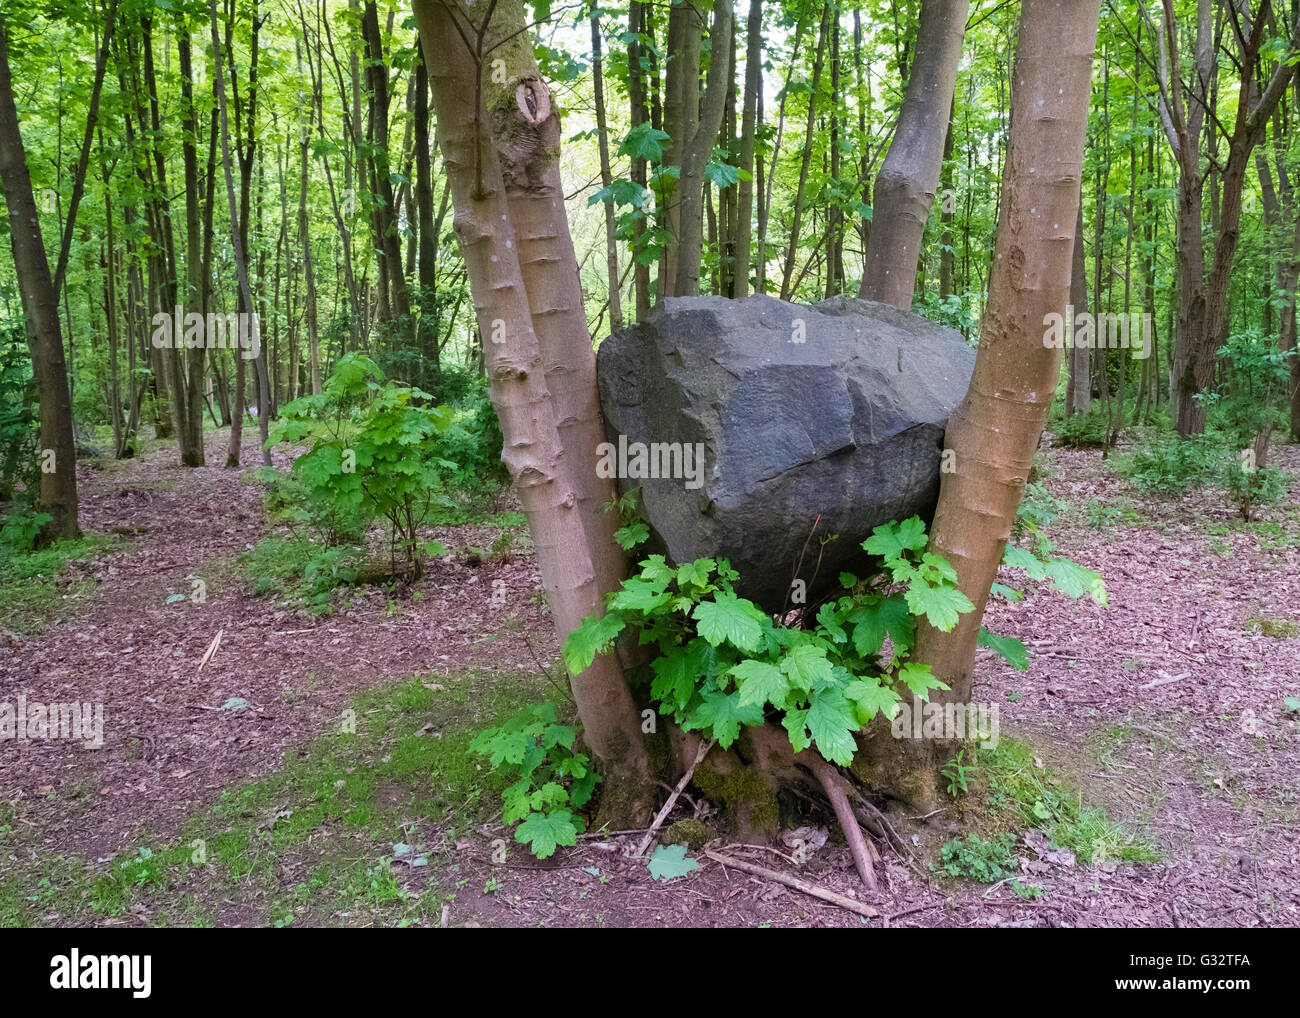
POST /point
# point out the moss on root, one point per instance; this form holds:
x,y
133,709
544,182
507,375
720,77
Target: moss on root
x,y
747,799
692,833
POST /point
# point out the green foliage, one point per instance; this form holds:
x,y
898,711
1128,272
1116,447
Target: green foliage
x,y
958,774
1253,396
550,780
473,441
1248,488
21,529
19,431
300,572
1038,508
1024,793
1083,431
1171,466
723,663
372,450
976,859
1008,648
37,585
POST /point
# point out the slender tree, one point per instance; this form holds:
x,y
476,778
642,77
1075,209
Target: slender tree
x,y
40,301
905,187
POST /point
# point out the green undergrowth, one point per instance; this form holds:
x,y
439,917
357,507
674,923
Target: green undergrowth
x,y
37,588
1013,790
356,828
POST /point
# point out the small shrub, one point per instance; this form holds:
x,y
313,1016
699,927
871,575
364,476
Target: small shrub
x,y
552,779
374,449
976,859
1250,488
1172,467
1082,431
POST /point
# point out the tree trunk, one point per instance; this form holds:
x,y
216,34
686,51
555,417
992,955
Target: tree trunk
x,y
237,242
907,180
514,237
304,238
698,128
615,302
744,232
188,381
386,240
994,431
788,271
1078,390
58,495
427,238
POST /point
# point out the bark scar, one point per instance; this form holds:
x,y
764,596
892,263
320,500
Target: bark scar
x,y
534,101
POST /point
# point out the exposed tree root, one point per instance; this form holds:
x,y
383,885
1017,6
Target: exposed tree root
x,y
746,781
833,785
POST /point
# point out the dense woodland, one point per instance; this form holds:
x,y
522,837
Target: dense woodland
x,y
242,228
344,213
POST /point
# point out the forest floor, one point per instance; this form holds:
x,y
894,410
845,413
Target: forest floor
x,y
315,771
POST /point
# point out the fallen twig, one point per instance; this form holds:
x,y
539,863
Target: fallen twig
x,y
1165,681
812,890
662,815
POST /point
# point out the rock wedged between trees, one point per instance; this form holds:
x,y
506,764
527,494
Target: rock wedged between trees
x,y
756,429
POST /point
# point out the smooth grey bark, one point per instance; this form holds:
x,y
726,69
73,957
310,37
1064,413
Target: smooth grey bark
x,y
906,184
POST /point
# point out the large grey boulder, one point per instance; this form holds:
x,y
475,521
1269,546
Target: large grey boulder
x,y
831,415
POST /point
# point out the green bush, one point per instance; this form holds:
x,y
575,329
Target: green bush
x,y
300,572
374,452
19,432
1082,431
1172,466
1248,488
984,861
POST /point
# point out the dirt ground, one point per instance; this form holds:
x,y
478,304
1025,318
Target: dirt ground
x,y
1166,709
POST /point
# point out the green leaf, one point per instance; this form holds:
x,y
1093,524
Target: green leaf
x,y
730,618
722,175
630,536
1074,581
671,861
594,636
940,605
644,142
761,683
872,622
826,618
831,721
1012,650
1020,558
807,666
796,726
722,714
695,573
673,684
544,832
919,679
892,541
640,596
872,697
